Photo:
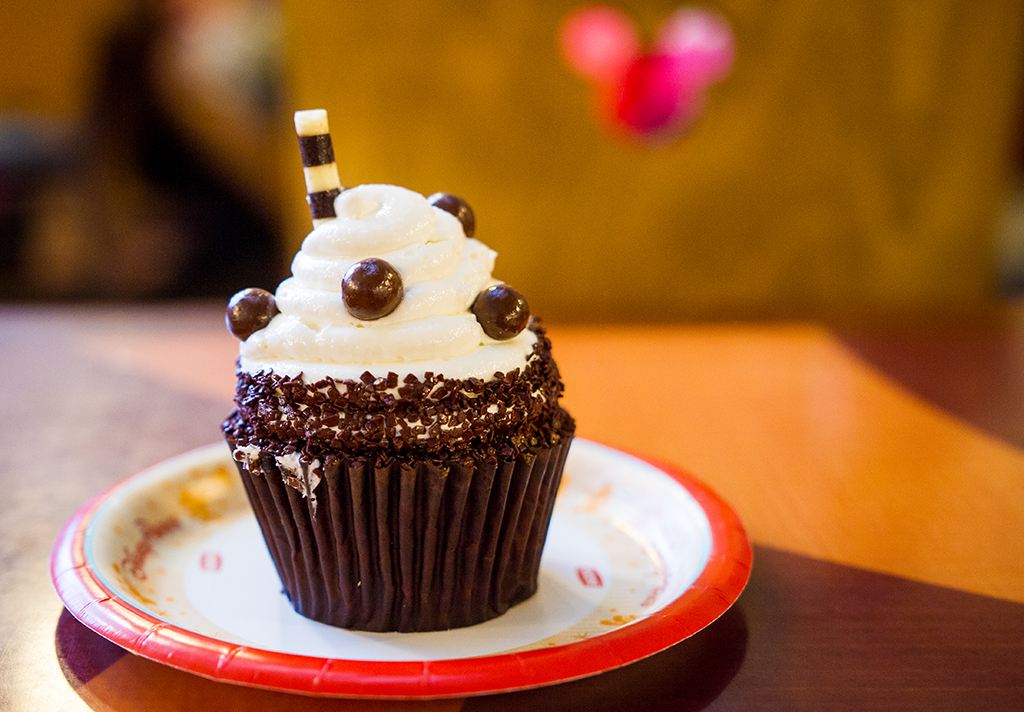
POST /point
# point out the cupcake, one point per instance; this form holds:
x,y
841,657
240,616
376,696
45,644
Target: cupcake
x,y
397,427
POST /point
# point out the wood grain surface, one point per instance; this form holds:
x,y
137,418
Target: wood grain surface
x,y
878,477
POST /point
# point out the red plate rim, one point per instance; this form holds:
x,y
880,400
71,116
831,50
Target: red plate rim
x,y
708,597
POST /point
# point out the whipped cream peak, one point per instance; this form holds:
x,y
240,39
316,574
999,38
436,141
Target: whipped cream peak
x,y
356,205
431,330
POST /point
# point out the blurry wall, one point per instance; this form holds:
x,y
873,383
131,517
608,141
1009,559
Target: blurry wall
x,y
137,157
852,165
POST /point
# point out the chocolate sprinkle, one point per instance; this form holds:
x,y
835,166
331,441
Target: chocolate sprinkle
x,y
458,207
433,418
501,311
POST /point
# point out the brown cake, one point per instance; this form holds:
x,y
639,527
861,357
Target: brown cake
x,y
398,426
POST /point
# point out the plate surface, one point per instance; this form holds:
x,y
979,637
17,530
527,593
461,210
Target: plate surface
x,y
170,565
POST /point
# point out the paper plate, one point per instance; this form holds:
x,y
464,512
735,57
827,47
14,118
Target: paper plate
x,y
170,565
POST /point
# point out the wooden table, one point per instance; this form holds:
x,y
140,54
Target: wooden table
x,y
880,475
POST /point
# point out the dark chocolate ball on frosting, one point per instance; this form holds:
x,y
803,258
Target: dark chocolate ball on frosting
x,y
457,207
249,311
371,289
501,311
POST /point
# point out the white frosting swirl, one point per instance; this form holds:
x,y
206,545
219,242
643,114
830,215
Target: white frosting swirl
x,y
431,330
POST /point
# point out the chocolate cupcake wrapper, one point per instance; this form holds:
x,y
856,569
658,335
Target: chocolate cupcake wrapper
x,y
406,547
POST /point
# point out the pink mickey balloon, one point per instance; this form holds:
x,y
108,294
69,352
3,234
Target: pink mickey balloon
x,y
649,94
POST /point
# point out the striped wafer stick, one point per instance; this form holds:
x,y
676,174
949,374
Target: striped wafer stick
x,y
318,166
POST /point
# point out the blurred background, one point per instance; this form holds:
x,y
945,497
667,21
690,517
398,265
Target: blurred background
x,y
862,161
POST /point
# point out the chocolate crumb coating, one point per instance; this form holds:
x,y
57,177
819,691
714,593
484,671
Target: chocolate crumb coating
x,y
434,418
